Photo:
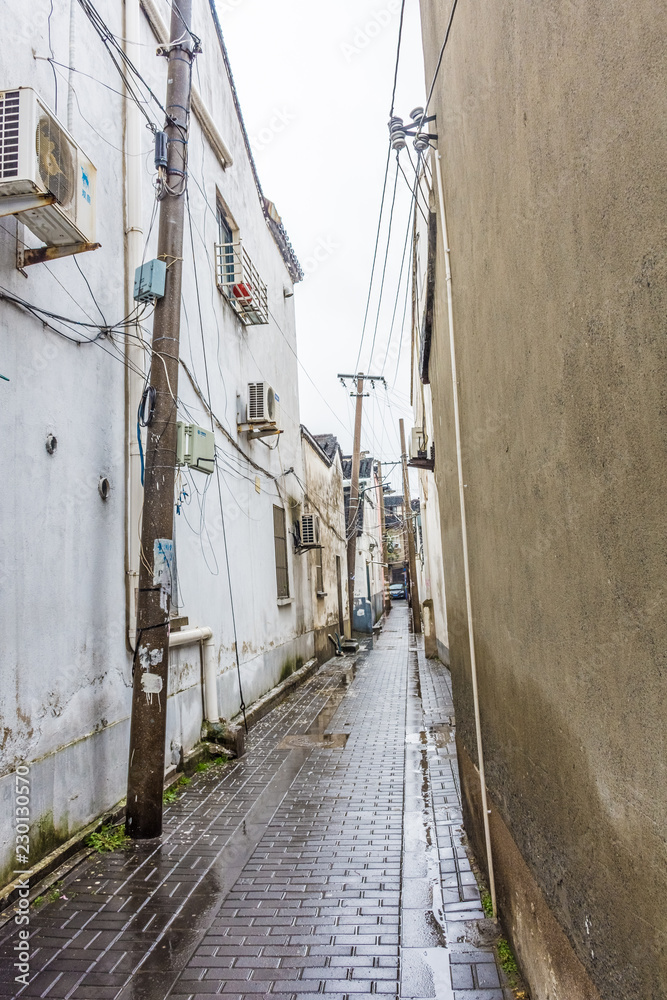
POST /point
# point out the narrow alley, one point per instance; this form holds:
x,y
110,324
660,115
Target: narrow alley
x,y
329,859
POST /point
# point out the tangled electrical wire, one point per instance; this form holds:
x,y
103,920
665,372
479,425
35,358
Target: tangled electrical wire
x,y
128,72
49,318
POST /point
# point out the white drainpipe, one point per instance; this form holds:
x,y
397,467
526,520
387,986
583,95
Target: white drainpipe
x,y
464,531
134,354
203,636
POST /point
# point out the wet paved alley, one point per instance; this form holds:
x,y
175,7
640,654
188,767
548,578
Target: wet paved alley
x,y
328,860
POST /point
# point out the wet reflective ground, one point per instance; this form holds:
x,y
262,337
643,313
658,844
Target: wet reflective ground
x,y
327,861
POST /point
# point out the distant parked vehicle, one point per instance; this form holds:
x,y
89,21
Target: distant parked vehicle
x,y
397,591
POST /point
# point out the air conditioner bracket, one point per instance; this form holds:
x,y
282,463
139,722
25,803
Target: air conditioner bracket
x,y
13,203
40,255
258,430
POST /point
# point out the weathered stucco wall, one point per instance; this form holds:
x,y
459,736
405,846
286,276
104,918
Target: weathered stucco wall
x,y
65,671
551,129
324,497
368,578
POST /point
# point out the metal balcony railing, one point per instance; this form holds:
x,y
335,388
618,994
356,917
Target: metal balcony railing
x,y
239,281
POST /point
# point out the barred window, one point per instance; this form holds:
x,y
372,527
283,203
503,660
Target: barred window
x,y
280,539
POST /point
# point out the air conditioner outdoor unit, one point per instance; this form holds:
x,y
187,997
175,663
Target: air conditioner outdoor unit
x,y
263,403
38,159
417,443
310,531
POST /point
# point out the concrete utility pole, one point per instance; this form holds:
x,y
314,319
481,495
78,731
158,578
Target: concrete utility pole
x,y
145,783
354,484
407,515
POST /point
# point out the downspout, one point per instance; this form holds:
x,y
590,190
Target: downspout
x,y
204,637
134,354
464,532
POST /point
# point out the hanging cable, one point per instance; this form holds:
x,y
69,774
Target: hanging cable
x,y
384,190
110,43
410,228
439,64
398,55
384,267
217,471
400,341
375,252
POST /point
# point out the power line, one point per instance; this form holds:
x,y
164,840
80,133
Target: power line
x,y
398,54
384,191
306,372
109,41
384,268
217,471
400,341
409,229
439,63
377,242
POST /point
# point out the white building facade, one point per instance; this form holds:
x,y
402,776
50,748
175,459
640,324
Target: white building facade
x,y
324,509
369,577
75,360
423,439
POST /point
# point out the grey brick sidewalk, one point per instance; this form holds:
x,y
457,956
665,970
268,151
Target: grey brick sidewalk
x,y
291,873
452,965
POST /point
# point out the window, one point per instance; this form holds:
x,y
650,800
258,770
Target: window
x,y
280,539
225,239
236,276
319,576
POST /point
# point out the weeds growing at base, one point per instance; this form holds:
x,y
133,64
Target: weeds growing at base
x,y
109,838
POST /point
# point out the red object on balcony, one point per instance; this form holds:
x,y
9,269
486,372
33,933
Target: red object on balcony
x,y
243,290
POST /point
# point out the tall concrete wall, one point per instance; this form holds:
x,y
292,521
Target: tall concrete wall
x,y
551,130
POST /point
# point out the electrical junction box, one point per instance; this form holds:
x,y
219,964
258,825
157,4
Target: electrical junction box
x,y
195,447
417,443
149,280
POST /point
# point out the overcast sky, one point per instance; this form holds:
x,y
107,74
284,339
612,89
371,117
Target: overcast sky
x,y
315,82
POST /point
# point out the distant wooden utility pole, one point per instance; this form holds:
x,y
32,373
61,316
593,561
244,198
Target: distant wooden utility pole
x,y
145,782
354,482
407,515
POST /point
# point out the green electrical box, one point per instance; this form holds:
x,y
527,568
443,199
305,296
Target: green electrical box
x,y
195,447
149,281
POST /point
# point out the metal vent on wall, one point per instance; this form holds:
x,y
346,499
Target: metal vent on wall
x,y
56,163
9,133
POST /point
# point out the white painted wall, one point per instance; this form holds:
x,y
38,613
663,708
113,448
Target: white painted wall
x,y
65,670
324,496
430,570
369,548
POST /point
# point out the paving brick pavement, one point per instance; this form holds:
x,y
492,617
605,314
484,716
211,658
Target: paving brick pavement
x,y
326,861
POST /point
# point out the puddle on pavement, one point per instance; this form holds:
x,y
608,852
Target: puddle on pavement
x,y
316,734
443,734
438,962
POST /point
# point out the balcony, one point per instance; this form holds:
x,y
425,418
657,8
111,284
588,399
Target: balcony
x,y
239,281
